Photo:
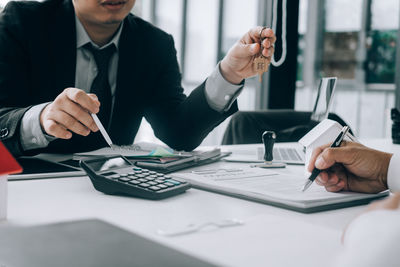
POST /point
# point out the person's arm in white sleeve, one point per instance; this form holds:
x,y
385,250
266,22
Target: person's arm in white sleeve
x,y
393,177
220,93
32,135
373,238
226,82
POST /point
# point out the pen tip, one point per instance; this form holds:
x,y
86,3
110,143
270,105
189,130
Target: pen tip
x,y
306,185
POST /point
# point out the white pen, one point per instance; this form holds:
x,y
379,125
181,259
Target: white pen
x,y
102,130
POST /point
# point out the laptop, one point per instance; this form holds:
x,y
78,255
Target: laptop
x,y
86,243
322,105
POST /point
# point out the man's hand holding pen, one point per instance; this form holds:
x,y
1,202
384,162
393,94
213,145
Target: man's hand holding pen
x,y
351,167
316,171
69,112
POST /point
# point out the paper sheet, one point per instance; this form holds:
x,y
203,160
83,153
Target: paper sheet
x,y
268,185
134,150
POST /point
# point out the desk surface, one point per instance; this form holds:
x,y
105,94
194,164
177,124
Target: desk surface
x,y
269,236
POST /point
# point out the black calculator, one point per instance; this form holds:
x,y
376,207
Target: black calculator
x,y
118,176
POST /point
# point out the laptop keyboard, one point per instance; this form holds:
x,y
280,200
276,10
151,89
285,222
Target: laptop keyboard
x,y
286,154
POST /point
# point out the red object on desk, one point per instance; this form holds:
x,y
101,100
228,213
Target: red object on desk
x,y
8,165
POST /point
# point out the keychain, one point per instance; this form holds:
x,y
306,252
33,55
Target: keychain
x,y
260,63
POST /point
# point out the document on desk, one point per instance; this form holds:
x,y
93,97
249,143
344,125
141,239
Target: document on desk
x,y
274,188
134,150
146,149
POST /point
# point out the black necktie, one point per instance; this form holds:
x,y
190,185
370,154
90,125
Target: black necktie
x,y
101,86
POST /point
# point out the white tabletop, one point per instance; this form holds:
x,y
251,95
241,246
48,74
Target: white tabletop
x,y
269,236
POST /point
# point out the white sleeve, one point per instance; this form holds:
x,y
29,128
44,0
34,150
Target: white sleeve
x,y
393,178
32,135
372,239
220,93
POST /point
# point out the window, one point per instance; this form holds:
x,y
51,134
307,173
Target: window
x,y
302,41
355,41
203,34
381,42
169,18
237,20
201,42
340,38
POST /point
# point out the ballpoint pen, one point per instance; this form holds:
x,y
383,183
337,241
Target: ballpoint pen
x,y
102,130
316,171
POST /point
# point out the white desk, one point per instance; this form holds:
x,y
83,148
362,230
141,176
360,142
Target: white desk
x,y
269,237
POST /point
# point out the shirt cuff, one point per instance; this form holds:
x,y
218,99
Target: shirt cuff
x,y
393,177
220,93
32,136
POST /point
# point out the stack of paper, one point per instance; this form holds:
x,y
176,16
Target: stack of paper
x,y
274,188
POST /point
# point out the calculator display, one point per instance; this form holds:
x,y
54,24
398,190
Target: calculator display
x,y
108,164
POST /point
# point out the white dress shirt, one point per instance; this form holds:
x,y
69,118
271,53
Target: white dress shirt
x,y
220,94
393,178
373,238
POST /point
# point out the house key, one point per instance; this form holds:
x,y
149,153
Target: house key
x,y
260,63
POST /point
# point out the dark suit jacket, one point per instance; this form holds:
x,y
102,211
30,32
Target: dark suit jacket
x,y
38,59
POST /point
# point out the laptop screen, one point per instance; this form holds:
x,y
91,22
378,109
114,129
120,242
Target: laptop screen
x,y
323,102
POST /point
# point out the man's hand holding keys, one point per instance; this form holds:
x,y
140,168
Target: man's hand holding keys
x,y
69,112
238,63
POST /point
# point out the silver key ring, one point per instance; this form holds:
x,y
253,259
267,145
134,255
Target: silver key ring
x,y
263,28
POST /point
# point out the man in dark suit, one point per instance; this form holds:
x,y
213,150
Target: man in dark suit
x,y
61,60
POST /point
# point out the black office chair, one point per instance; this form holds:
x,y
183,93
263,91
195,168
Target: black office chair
x,y
246,127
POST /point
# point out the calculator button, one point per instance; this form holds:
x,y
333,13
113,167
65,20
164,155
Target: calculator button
x,y
173,182
155,188
137,169
153,176
138,172
159,181
115,176
124,179
169,184
140,175
142,180
160,174
144,170
152,183
149,178
123,175
167,177
162,186
131,173
134,182
161,178
144,185
152,172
